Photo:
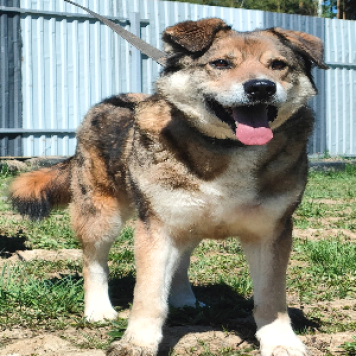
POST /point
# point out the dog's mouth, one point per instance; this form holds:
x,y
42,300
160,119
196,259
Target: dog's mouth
x,y
249,122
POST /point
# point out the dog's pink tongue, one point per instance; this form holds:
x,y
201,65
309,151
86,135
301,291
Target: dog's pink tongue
x,y
253,135
252,125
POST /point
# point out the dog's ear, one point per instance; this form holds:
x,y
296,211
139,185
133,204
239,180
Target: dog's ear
x,y
194,36
309,45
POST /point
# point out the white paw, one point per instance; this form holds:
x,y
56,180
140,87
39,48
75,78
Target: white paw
x,y
100,314
279,339
141,338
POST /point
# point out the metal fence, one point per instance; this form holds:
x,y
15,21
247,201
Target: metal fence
x,y
70,61
340,43
10,78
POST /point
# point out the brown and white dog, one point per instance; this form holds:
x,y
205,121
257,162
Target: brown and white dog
x,y
218,151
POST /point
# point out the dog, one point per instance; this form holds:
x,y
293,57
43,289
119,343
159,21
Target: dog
x,y
219,150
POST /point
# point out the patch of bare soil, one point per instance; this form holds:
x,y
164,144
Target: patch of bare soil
x,y
193,340
50,255
327,223
46,344
44,255
320,234
10,212
337,309
331,201
321,344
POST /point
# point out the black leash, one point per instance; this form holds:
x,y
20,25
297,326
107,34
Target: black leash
x,y
150,51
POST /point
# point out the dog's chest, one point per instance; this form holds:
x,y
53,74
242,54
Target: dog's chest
x,y
224,206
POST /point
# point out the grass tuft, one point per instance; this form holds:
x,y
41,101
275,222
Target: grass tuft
x,y
350,347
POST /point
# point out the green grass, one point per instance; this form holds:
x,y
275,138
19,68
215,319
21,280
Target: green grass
x,y
331,266
350,347
332,184
25,300
5,178
338,187
45,295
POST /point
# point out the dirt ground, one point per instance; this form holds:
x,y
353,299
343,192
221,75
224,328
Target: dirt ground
x,y
71,342
179,339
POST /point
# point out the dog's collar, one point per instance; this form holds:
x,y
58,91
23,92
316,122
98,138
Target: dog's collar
x,y
157,55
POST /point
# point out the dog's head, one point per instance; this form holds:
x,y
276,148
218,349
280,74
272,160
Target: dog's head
x,y
238,85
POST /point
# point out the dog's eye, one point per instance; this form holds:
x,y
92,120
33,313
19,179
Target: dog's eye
x,y
278,65
220,64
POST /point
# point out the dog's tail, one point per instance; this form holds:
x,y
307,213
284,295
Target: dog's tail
x,y
35,193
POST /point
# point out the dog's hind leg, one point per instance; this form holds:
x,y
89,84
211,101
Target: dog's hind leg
x,y
157,257
181,293
97,231
268,259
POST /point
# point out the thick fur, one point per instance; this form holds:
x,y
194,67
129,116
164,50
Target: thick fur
x,y
175,160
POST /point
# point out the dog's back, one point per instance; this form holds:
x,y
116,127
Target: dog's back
x,y
101,138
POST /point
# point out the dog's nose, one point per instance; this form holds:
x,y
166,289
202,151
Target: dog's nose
x,y
260,89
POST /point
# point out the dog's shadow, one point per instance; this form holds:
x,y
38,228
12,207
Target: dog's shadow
x,y
224,310
121,290
10,244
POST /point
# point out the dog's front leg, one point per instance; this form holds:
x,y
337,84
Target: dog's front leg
x,y
156,260
268,259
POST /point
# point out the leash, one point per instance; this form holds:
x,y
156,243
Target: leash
x,y
150,51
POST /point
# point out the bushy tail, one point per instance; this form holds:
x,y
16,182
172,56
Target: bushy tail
x,y
35,193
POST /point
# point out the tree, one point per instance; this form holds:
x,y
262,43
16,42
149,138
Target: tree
x,y
341,9
301,7
346,9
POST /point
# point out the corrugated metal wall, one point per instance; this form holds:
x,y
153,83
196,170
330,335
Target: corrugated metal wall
x,y
71,61
10,78
340,43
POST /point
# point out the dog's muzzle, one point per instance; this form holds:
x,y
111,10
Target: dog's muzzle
x,y
250,120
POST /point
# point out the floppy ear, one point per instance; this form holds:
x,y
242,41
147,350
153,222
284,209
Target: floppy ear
x,y
309,45
194,36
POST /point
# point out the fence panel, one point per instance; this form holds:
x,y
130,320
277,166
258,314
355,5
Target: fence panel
x,y
10,78
340,43
70,62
